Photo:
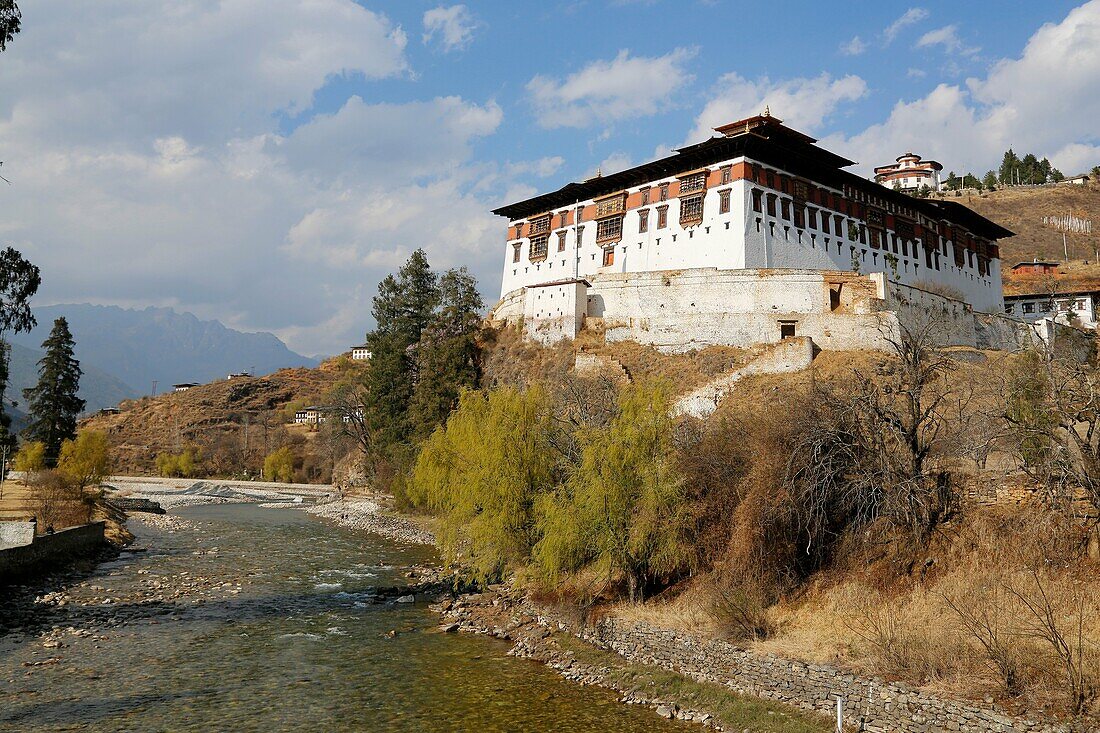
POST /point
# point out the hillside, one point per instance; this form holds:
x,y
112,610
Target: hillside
x,y
229,425
1022,211
140,346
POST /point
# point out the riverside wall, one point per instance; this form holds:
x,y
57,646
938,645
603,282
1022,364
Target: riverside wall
x,y
46,552
886,707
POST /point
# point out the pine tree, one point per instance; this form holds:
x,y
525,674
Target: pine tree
x,y
9,22
1009,164
53,402
448,357
403,308
990,181
19,281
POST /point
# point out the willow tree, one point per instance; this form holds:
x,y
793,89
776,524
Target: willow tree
x,y
482,473
624,506
53,402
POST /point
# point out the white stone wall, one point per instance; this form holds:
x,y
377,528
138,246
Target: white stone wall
x,y
683,310
555,312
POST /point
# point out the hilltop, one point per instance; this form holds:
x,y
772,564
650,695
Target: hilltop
x,y
1022,210
230,425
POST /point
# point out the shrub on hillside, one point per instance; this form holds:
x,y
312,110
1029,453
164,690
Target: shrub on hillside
x,y
482,472
279,465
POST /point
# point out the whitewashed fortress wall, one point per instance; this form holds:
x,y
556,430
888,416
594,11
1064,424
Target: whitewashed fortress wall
x,y
703,248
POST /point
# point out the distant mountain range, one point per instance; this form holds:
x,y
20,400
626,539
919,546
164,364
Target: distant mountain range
x,y
97,388
122,351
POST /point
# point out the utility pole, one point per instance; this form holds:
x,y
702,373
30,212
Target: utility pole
x,y
154,388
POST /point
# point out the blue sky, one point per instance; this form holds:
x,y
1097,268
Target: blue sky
x,y
265,162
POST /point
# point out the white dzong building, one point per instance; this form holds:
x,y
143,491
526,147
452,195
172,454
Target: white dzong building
x,y
747,237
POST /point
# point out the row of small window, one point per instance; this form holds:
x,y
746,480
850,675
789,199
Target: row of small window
x,y
613,204
611,228
1049,306
804,217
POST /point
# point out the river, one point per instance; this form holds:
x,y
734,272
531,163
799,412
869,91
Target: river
x,y
265,626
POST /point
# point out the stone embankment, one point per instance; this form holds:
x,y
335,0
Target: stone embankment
x,y
365,514
45,552
884,707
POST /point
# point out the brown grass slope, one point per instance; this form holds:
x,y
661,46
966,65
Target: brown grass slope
x,y
1022,210
232,423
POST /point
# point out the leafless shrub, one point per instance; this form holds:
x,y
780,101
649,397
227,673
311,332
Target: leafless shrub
x,y
982,611
1057,619
58,502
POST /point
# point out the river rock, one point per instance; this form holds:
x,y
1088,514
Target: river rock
x,y
407,599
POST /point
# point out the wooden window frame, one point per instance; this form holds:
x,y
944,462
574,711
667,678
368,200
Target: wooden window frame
x,y
608,257
517,251
561,241
727,174
609,229
691,208
662,216
540,225
663,188
540,248
693,183
643,221
724,201
611,205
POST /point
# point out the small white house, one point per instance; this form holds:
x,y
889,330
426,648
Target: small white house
x,y
360,353
1080,180
184,386
312,415
1059,307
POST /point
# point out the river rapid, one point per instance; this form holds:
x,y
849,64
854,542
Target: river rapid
x,y
243,618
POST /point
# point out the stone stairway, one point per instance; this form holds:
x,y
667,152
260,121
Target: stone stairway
x,y
789,355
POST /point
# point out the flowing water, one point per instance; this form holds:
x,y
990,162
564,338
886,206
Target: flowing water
x,y
281,639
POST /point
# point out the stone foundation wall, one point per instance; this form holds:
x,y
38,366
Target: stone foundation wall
x,y
49,551
886,707
678,311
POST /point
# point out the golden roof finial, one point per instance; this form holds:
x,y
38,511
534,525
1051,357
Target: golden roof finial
x,y
767,111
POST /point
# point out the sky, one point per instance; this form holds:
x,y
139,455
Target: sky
x,y
267,162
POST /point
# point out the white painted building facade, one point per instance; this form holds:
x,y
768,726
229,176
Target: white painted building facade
x,y
749,212
752,237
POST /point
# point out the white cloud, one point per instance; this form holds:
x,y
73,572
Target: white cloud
x,y
608,91
1076,158
908,18
914,73
614,163
854,47
1043,102
801,103
454,27
149,167
948,38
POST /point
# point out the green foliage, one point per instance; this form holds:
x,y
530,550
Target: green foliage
x,y
85,460
1028,170
53,402
971,181
402,310
9,22
483,472
181,465
279,465
990,181
448,357
31,457
19,279
1028,411
624,505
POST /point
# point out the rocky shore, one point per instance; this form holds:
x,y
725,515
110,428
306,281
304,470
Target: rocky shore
x,y
368,515
505,615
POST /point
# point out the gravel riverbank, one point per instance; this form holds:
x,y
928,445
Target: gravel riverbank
x,y
368,515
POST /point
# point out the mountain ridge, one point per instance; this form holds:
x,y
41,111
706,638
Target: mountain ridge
x,y
139,346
